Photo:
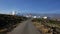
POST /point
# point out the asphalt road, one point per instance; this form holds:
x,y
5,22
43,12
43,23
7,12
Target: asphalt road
x,y
25,28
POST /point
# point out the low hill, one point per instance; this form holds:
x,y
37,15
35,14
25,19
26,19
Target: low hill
x,y
8,21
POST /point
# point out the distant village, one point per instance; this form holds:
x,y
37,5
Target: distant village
x,y
33,16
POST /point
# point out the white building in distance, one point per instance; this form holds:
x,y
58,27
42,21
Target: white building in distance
x,y
45,17
13,13
34,16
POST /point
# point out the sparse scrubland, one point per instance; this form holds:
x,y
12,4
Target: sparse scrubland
x,y
47,26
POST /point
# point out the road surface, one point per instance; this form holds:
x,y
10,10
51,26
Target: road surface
x,y
25,28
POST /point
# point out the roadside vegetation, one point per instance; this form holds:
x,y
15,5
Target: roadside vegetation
x,y
47,26
8,22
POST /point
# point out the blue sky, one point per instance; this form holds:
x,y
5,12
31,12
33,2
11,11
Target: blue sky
x,y
30,6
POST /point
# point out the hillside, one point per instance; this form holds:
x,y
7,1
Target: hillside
x,y
8,22
47,26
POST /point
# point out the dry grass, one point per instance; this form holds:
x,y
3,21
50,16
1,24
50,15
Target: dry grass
x,y
42,28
